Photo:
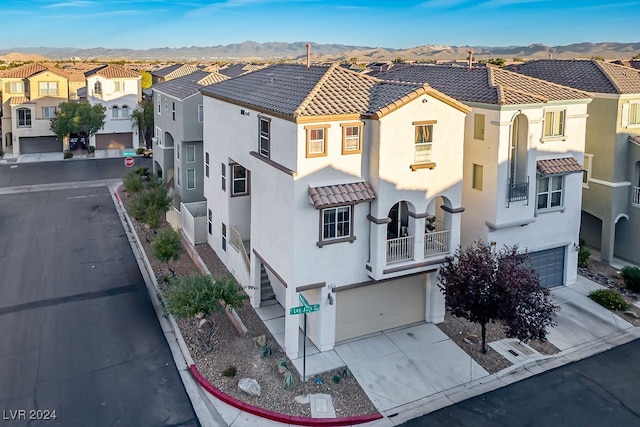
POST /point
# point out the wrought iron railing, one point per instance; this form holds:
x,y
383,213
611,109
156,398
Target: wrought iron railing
x,y
519,191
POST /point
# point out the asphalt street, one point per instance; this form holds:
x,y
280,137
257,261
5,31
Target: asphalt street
x,y
79,334
599,391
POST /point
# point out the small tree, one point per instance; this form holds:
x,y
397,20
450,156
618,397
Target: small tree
x,y
200,296
167,246
485,285
77,117
497,61
142,119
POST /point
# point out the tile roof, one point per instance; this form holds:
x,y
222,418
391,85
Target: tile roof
x,y
634,138
236,70
341,194
488,85
30,70
174,71
113,71
185,86
17,100
587,75
561,166
297,91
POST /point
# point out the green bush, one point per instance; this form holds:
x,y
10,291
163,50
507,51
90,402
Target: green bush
x,y
265,350
150,204
288,380
92,149
133,183
68,154
608,298
583,257
631,277
231,371
167,245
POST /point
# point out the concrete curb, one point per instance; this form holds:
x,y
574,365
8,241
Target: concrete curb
x,y
275,416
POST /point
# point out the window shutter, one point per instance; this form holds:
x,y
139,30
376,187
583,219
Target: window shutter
x,y
625,114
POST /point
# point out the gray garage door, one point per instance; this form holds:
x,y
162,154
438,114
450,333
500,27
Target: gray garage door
x,y
111,141
549,265
40,144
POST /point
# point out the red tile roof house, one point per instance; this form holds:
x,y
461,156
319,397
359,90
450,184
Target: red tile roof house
x,y
523,157
323,183
611,181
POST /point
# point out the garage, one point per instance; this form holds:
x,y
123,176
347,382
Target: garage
x,y
380,306
549,265
40,144
114,141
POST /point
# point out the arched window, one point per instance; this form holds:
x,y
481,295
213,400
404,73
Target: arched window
x,y
114,112
125,111
97,88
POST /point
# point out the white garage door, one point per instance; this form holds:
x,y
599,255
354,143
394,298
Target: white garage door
x,y
549,265
385,305
40,144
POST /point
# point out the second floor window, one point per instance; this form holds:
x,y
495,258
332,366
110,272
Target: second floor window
x,y
240,185
14,87
48,112
423,144
24,117
265,137
114,112
119,86
352,139
48,88
550,192
634,113
191,154
316,142
200,114
97,88
554,122
336,222
173,111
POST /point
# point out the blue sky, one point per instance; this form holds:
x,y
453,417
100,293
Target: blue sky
x,y
143,24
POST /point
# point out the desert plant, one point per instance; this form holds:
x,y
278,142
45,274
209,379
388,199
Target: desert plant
x,y
282,362
230,372
583,255
151,203
345,372
68,154
265,350
133,183
92,149
608,298
167,246
288,380
336,379
631,277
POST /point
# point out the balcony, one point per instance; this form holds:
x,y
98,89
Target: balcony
x,y
399,249
519,191
635,196
437,243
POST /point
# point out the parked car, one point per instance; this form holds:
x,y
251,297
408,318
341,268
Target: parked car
x,y
148,152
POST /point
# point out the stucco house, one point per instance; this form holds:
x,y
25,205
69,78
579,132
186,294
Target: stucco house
x,y
523,156
30,96
171,72
611,180
177,147
336,186
119,90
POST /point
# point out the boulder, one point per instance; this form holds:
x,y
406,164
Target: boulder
x,y
249,386
261,340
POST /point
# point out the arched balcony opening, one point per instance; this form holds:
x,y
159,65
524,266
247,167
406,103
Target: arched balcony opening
x,y
437,228
400,234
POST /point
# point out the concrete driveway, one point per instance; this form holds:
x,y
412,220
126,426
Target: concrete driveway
x,y
403,365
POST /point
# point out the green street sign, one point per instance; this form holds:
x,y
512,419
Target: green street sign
x,y
302,309
303,300
128,153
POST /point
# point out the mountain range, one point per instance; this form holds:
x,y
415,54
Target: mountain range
x,y
251,50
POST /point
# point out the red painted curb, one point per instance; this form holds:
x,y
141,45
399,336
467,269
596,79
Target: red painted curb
x,y
274,416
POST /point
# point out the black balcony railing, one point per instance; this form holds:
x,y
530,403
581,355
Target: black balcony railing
x,y
519,191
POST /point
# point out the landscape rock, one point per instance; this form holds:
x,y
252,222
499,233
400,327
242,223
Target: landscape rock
x,y
261,340
249,386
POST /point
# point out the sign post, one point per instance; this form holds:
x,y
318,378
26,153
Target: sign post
x,y
304,309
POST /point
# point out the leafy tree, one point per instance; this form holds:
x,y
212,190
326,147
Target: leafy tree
x,y
497,61
167,246
198,295
485,285
637,56
142,118
399,60
146,79
74,117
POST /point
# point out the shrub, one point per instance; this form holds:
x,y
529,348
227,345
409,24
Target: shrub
x,y
167,245
336,379
133,183
583,257
608,298
92,149
288,380
150,204
68,154
631,277
282,362
231,371
265,350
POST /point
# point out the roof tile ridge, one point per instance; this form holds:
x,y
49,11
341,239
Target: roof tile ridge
x,y
606,74
312,93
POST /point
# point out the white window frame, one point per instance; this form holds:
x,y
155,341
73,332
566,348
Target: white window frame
x,y
210,221
550,192
634,113
223,176
550,123
191,179
26,121
236,169
118,86
264,138
114,112
16,87
48,88
125,111
206,164
423,143
158,135
191,154
333,230
159,105
173,110
48,112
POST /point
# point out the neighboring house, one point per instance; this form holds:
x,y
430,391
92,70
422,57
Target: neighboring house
x,y
118,89
235,70
524,146
611,181
30,97
171,72
177,142
322,182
